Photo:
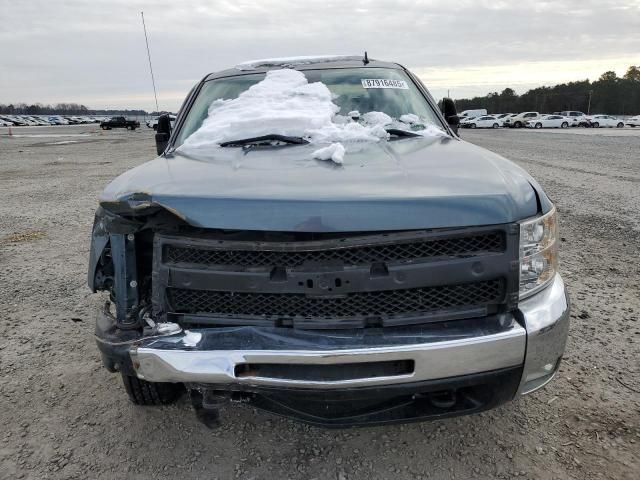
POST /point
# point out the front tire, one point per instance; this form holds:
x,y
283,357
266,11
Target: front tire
x,y
564,125
518,124
473,125
620,125
595,125
142,392
538,125
495,125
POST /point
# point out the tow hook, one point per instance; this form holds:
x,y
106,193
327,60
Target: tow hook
x,y
207,405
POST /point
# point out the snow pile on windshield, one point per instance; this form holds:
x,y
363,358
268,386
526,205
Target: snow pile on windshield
x,y
285,104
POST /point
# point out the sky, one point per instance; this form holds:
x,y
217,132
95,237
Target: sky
x,y
93,52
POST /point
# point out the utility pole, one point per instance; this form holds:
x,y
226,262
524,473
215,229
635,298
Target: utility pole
x,y
153,81
589,106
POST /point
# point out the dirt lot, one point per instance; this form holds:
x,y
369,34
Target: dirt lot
x,y
64,416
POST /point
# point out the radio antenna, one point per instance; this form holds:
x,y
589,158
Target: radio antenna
x,y
153,80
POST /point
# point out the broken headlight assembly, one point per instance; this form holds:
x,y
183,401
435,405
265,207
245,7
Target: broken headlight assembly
x,y
538,253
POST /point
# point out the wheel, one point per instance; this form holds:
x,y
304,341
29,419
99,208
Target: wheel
x,y
473,125
518,124
595,125
495,125
142,392
564,125
538,125
620,125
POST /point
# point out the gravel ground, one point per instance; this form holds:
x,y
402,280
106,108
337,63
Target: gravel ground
x,y
64,416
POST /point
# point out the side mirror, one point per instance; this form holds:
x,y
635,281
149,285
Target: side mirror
x,y
450,114
163,133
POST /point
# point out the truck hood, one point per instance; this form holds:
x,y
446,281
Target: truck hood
x,y
410,183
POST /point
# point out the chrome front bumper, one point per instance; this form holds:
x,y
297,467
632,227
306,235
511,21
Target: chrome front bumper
x,y
546,318
209,356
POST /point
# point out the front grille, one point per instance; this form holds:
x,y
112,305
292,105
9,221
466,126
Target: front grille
x,y
462,246
386,303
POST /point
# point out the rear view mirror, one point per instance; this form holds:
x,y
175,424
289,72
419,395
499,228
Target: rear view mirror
x,y
450,114
163,133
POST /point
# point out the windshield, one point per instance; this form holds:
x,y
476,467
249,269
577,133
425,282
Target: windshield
x,y
354,91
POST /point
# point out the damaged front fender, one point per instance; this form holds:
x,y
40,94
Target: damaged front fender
x,y
120,241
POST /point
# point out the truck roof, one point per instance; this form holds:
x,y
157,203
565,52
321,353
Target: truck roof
x,y
302,63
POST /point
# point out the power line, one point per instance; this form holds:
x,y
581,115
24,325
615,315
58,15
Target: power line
x,y
153,81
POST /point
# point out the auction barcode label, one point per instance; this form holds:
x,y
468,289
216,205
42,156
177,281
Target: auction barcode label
x,y
384,83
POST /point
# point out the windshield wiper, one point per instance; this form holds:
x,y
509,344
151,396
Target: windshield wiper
x,y
266,140
397,132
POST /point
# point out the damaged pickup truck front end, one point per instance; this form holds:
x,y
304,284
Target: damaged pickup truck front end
x,y
418,280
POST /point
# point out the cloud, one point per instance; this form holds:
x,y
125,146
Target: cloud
x,y
94,51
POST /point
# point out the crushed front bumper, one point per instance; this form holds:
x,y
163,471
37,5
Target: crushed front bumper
x,y
490,360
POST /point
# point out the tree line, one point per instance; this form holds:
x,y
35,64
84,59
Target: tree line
x,y
609,95
61,109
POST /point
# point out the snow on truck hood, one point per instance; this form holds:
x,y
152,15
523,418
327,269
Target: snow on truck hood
x,y
285,103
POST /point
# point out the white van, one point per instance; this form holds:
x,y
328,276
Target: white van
x,y
472,113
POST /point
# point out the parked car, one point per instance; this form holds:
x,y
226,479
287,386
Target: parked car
x,y
119,122
153,122
485,121
472,113
633,121
506,121
17,120
549,121
39,121
576,119
4,123
381,289
598,121
58,120
521,119
9,120
28,120
501,117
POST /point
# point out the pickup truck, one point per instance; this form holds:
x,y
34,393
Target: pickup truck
x,y
153,122
119,122
317,241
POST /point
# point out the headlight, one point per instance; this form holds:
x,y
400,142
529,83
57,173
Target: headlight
x,y
538,253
